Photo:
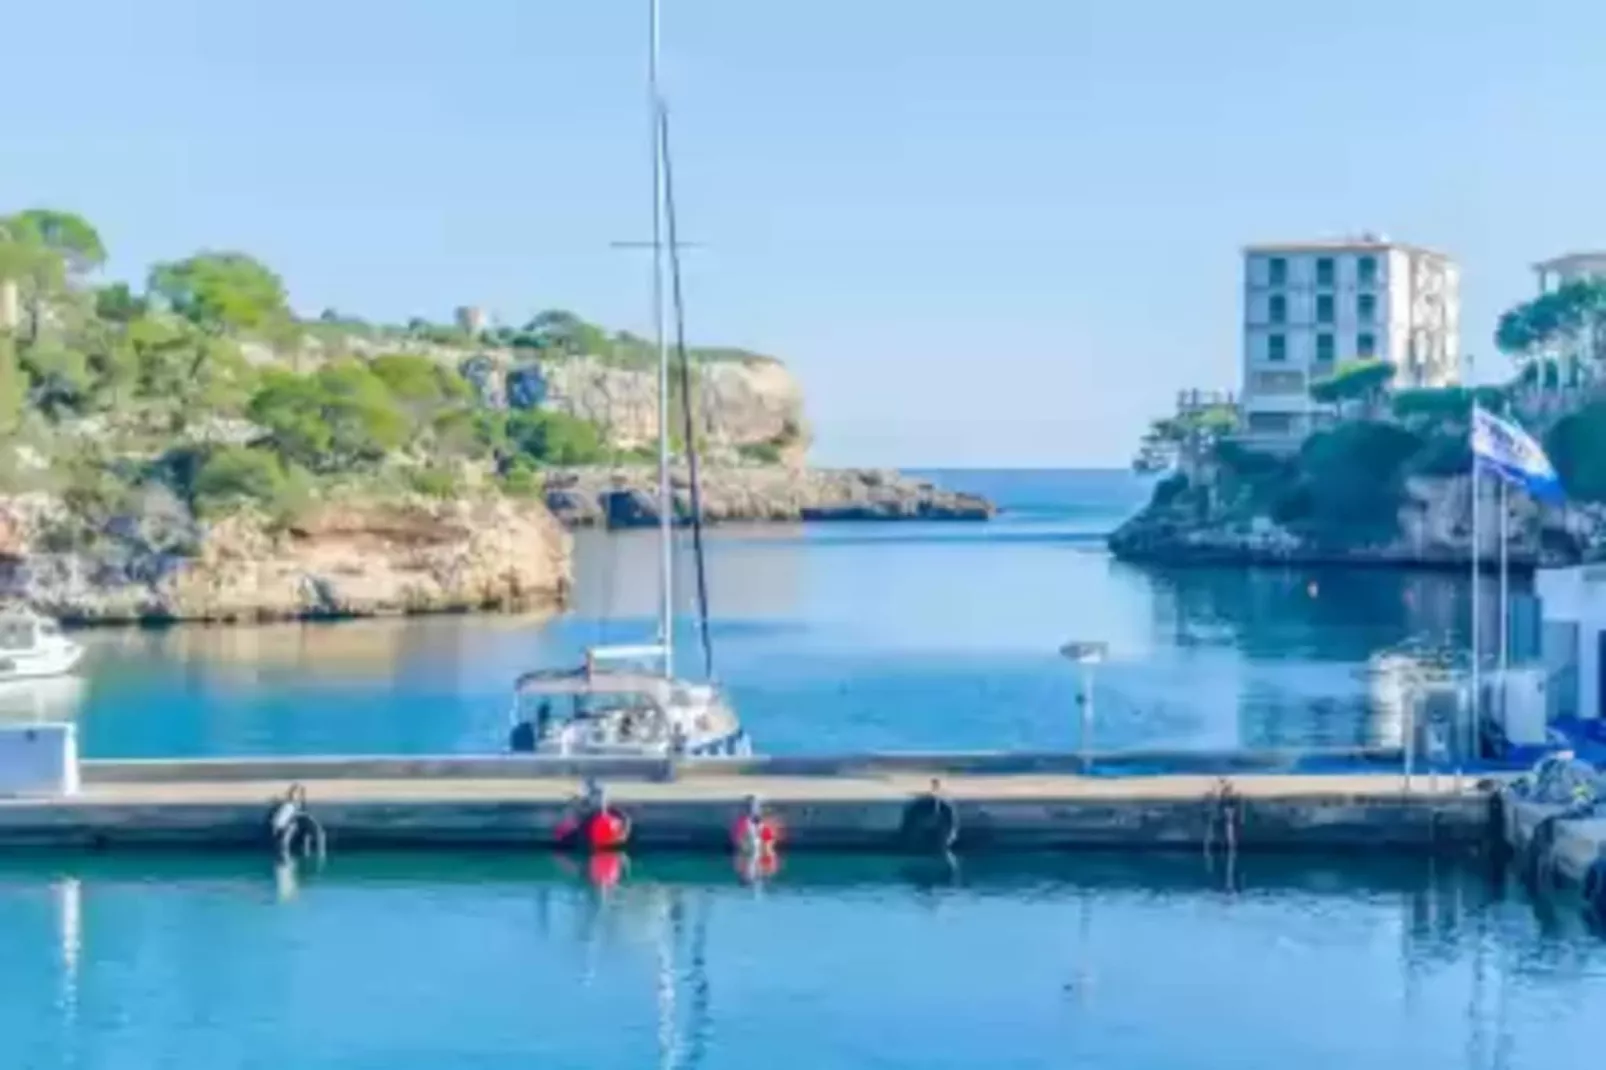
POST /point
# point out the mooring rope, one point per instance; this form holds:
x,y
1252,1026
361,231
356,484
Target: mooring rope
x,y
1223,805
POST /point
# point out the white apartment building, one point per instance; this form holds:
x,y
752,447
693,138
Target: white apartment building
x,y
1571,267
1572,360
1309,306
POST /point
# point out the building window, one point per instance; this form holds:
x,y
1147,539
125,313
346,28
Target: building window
x,y
1324,308
1366,307
1277,271
1277,308
1324,348
1366,344
1324,271
1275,422
1276,347
1366,271
1279,382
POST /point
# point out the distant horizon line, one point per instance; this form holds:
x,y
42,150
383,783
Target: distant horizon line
x,y
1080,469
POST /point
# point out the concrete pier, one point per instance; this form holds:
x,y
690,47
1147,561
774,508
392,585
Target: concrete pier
x,y
1567,849
827,804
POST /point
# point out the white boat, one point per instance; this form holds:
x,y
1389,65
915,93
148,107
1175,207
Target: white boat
x,y
627,700
600,709
32,646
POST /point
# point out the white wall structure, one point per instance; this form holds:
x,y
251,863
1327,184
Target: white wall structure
x,y
39,759
1309,306
1573,613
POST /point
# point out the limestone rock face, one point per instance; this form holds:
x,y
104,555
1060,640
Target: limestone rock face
x,y
741,399
627,497
343,559
738,402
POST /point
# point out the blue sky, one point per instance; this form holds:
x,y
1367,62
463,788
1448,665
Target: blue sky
x,y
982,234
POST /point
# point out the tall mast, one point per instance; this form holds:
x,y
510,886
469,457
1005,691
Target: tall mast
x,y
666,530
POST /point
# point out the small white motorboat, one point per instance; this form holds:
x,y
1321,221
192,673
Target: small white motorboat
x,y
33,646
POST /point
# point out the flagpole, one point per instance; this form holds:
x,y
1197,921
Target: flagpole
x,y
1477,630
1505,586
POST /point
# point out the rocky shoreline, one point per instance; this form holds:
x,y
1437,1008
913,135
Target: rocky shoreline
x,y
155,564
1432,530
628,498
151,561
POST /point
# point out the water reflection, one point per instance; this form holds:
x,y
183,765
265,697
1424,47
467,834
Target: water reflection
x,y
1326,655
752,571
672,957
373,645
56,698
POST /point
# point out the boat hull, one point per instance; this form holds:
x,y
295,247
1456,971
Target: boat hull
x,y
732,745
58,659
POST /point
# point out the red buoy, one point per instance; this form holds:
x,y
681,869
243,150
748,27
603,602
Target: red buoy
x,y
760,865
606,830
750,833
605,869
592,829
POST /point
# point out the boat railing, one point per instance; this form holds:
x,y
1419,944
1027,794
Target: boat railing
x,y
603,655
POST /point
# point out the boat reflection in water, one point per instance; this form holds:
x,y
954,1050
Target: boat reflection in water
x,y
53,698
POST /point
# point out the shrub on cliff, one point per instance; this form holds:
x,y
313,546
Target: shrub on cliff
x,y
419,381
760,452
522,480
1354,384
435,481
1452,403
1348,488
236,475
1444,454
1168,490
341,417
13,386
554,437
222,292
1577,447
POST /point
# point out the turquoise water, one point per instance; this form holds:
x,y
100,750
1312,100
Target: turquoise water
x,y
854,636
449,962
846,636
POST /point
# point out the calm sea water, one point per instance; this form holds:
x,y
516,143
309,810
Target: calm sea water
x,y
854,636
454,962
845,636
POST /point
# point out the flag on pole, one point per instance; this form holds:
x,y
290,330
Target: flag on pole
x,y
1502,447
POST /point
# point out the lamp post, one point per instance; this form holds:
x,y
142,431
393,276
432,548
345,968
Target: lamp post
x,y
1088,654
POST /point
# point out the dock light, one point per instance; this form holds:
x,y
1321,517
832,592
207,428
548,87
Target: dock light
x,y
1089,654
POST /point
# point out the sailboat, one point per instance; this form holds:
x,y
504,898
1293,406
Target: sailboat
x,y
627,700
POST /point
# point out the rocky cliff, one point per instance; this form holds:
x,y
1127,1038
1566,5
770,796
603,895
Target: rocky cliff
x,y
627,497
1200,522
744,402
741,403
154,562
